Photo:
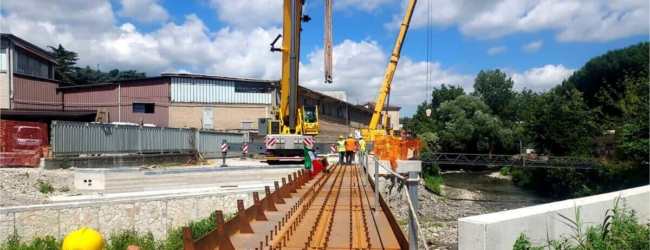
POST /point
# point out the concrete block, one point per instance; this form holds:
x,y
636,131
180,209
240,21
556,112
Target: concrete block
x,y
403,167
500,230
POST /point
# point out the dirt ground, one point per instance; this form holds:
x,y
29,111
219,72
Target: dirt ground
x,y
20,186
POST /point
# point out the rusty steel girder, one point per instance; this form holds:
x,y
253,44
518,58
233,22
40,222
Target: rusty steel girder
x,y
333,210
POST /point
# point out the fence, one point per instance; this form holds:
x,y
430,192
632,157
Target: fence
x,y
76,138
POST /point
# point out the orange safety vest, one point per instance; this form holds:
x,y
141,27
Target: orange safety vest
x,y
350,144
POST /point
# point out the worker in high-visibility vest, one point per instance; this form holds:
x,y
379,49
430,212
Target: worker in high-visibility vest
x,y
341,148
350,148
362,145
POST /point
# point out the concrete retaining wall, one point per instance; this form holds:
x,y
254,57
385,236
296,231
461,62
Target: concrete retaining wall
x,y
155,214
114,161
500,230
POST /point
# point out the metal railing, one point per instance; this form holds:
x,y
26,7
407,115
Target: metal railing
x,y
511,160
76,138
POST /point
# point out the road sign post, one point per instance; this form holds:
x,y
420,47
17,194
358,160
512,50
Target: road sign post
x,y
224,152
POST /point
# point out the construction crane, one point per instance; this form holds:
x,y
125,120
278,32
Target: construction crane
x,y
372,132
292,126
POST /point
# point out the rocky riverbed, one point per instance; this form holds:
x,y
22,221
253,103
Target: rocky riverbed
x,y
20,186
439,214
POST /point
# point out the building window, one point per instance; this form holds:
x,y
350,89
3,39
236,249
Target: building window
x,y
147,108
31,65
252,87
3,59
246,124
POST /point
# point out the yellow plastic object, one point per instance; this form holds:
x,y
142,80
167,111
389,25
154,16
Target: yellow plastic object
x,y
83,239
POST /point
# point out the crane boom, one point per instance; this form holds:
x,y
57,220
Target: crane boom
x,y
392,65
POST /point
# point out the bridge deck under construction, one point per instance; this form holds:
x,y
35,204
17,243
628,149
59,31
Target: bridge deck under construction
x,y
333,211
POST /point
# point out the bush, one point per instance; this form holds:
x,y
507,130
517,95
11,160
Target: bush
x,y
432,183
505,171
121,240
619,231
48,243
65,164
45,187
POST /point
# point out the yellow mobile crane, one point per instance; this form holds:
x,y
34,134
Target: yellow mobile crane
x,y
372,132
292,126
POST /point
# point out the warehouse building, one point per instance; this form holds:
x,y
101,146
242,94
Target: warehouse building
x,y
28,90
206,102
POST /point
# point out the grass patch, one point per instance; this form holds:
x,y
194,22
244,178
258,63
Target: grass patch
x,y
505,171
402,222
65,164
47,243
618,231
121,239
45,187
432,183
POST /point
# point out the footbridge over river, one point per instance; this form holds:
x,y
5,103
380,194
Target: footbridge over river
x,y
512,160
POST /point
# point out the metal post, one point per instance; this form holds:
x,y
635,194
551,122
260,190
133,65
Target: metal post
x,y
412,186
366,168
376,185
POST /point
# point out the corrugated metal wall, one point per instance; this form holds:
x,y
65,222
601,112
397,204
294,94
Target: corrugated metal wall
x,y
142,91
190,90
36,94
74,138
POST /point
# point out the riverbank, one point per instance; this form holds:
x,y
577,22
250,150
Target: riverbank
x,y
464,194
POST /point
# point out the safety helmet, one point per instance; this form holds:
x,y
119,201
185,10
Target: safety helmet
x,y
83,239
350,135
340,136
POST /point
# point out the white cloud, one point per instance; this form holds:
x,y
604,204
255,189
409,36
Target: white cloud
x,y
359,69
532,46
497,50
573,20
541,79
365,5
143,10
249,13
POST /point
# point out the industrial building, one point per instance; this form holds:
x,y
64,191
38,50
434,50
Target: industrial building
x,y
206,102
28,90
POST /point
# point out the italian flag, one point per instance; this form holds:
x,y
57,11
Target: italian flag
x,y
309,156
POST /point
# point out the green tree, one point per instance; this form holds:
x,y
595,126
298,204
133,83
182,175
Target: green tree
x,y
608,71
443,94
562,124
65,63
468,126
495,89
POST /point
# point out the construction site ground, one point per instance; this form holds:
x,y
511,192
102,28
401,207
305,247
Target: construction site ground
x,y
20,186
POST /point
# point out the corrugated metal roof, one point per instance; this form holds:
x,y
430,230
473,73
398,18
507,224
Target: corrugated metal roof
x,y
216,77
202,90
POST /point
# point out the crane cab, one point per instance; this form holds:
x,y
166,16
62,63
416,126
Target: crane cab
x,y
310,120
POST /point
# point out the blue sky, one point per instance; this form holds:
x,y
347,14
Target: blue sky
x,y
537,42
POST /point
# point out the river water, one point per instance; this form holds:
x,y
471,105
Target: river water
x,y
497,194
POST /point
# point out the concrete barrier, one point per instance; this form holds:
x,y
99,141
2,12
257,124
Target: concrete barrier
x,y
501,230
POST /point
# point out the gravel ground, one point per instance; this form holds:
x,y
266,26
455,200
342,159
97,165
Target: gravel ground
x,y
20,186
438,215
